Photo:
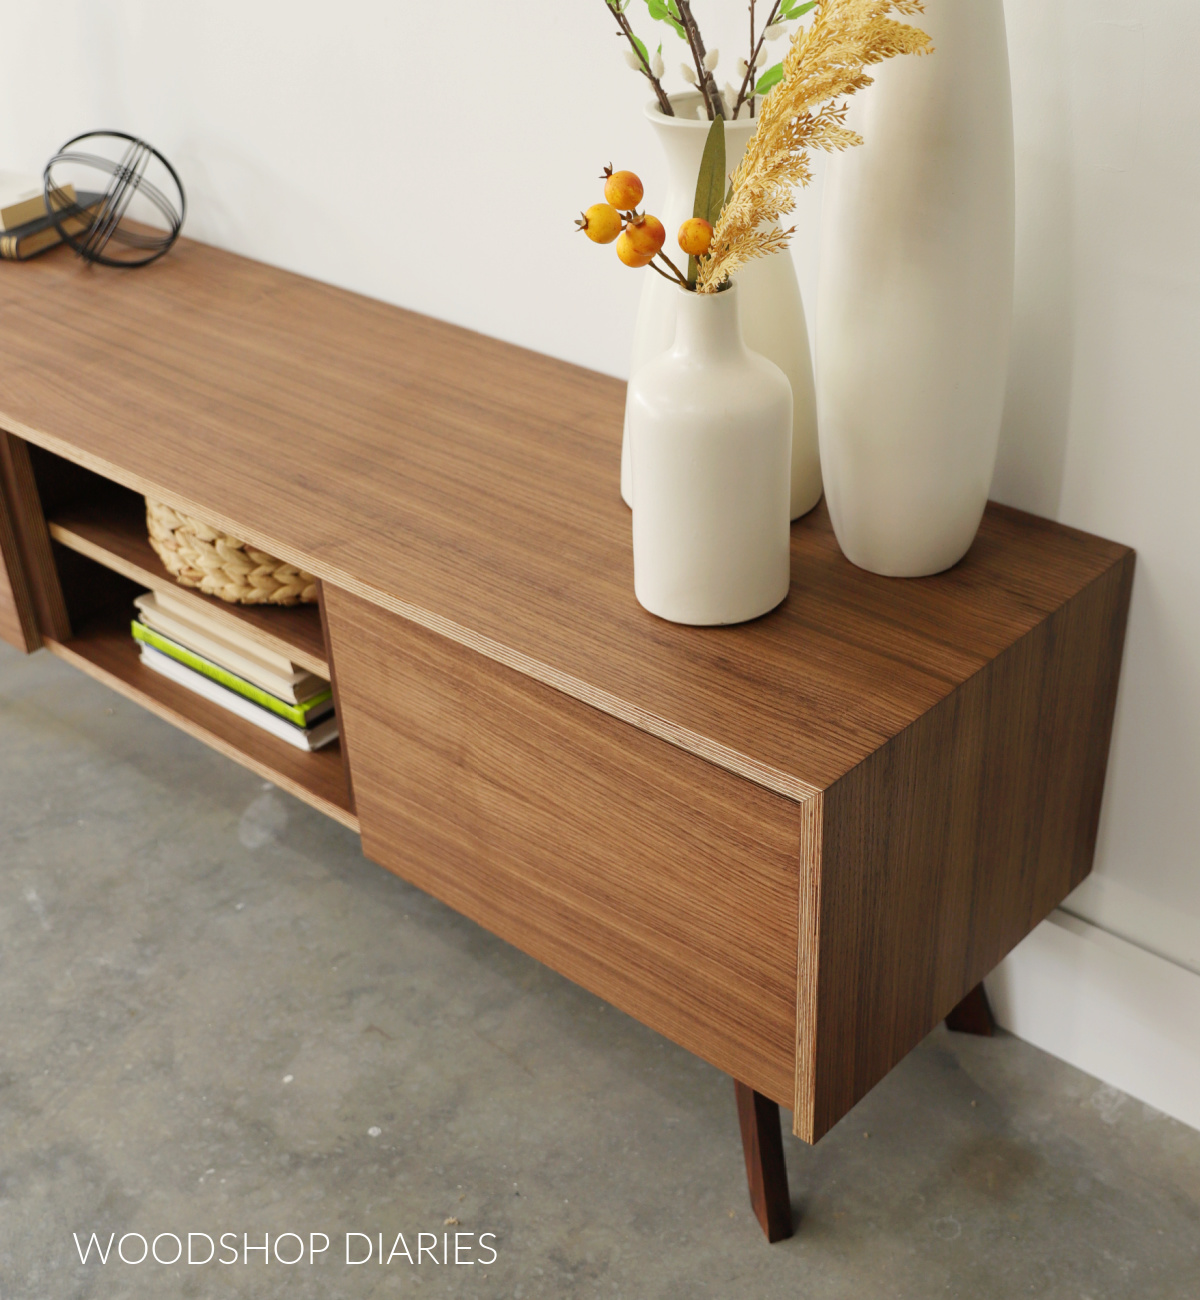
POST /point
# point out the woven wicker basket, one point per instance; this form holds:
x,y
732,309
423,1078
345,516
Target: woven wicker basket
x,y
198,556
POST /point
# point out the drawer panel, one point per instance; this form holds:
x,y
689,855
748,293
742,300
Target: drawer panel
x,y
663,884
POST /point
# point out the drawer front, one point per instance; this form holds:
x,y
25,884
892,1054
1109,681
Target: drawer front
x,y
663,884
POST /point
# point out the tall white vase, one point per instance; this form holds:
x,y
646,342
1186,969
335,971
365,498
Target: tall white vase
x,y
772,311
710,426
915,298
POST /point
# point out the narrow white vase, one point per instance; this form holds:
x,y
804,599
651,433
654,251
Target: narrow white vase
x,y
772,310
710,426
915,298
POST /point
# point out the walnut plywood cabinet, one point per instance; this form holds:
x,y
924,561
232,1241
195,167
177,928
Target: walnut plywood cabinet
x,y
18,621
791,846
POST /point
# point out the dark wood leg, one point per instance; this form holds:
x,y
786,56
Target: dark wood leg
x,y
766,1170
973,1015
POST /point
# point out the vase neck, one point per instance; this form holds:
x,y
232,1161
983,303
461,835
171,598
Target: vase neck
x,y
708,326
683,139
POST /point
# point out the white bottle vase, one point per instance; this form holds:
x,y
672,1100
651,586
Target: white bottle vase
x,y
772,310
915,298
710,426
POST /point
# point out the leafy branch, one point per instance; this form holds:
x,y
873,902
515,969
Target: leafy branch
x,y
617,9
704,77
678,16
782,11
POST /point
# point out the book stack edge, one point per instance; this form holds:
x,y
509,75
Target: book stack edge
x,y
237,674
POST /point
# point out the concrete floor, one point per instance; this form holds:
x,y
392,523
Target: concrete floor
x,y
216,1016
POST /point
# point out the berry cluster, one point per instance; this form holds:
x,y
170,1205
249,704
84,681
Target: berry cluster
x,y
640,237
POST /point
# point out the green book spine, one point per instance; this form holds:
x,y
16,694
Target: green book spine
x,y
297,714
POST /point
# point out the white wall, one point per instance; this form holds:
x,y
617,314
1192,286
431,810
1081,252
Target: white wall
x,y
1104,396
437,161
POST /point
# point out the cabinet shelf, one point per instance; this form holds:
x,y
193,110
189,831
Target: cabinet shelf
x,y
104,649
112,531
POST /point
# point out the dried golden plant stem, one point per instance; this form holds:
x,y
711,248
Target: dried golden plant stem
x,y
826,63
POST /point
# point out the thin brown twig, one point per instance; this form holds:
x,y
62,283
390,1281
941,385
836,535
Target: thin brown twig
x,y
707,82
664,101
679,275
669,278
755,50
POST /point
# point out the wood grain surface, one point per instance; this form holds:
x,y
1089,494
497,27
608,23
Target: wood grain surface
x,y
32,538
659,882
112,531
104,649
945,848
791,846
766,1166
18,616
472,487
337,698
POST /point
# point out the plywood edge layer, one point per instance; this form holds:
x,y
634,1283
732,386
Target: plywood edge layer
x,y
712,751
808,937
122,687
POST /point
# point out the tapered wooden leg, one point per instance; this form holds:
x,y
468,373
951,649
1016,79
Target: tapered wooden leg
x,y
973,1015
766,1169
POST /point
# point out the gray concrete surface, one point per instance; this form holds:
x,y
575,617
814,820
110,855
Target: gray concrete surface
x,y
216,1016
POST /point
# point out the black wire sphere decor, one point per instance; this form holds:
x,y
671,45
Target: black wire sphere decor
x,y
114,198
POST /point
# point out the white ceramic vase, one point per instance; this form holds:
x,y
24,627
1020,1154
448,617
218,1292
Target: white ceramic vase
x,y
772,311
915,298
710,426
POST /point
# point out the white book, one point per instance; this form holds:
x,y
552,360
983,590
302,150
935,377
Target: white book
x,y
313,738
295,686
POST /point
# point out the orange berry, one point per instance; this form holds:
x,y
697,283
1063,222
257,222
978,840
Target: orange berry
x,y
622,189
695,236
601,223
647,234
630,254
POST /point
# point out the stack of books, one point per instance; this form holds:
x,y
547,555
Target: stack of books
x,y
229,669
26,226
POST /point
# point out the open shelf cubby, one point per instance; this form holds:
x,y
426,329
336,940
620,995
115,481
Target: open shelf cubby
x,y
103,561
110,528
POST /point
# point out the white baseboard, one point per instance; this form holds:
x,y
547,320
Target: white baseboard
x,y
1125,1015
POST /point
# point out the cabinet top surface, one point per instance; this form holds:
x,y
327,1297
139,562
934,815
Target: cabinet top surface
x,y
473,486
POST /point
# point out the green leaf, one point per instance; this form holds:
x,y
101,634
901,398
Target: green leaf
x,y
769,79
641,49
793,10
665,11
710,182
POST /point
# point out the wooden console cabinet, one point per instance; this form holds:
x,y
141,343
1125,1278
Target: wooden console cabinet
x,y
791,846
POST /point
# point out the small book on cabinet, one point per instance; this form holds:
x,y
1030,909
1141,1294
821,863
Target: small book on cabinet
x,y
23,199
34,237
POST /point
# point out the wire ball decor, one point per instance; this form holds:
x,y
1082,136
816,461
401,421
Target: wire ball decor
x,y
128,205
